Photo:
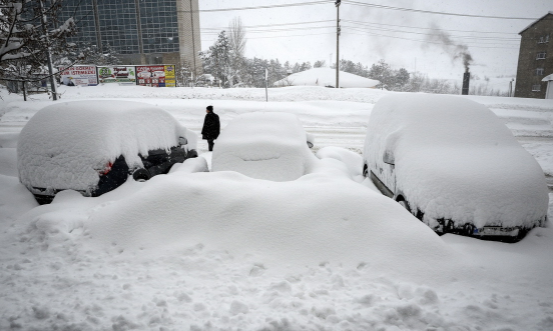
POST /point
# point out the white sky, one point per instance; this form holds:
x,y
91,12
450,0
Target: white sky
x,y
360,46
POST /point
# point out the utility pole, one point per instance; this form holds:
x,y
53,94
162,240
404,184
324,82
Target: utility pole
x,y
337,3
48,55
193,40
266,85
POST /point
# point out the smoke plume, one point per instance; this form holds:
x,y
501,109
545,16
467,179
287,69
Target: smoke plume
x,y
442,39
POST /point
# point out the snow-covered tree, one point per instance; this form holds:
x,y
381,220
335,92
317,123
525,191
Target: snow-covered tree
x,y
87,53
217,61
319,64
394,80
29,33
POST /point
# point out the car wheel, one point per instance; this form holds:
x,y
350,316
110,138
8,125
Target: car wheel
x,y
141,175
449,226
365,170
405,204
468,230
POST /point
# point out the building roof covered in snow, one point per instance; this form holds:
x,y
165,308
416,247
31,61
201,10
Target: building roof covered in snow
x,y
325,77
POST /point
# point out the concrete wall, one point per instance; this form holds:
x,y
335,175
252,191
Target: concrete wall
x,y
189,34
528,62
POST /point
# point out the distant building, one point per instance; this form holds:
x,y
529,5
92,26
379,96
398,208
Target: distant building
x,y
535,59
141,31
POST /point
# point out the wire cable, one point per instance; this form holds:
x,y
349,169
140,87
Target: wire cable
x,y
435,12
257,7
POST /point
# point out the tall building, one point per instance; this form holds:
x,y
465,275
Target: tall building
x,y
535,59
141,31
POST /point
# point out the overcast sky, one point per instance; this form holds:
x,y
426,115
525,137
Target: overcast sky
x,y
492,43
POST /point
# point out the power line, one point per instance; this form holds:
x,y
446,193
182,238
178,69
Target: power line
x,y
423,41
277,30
271,25
418,27
435,12
298,35
434,34
257,7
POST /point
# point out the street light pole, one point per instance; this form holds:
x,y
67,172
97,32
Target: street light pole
x,y
337,3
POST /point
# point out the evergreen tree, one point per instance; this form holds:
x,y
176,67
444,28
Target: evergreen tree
x,y
217,61
319,64
305,66
381,71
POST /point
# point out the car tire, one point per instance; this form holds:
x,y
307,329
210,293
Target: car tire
x,y
468,230
449,226
141,175
404,204
365,170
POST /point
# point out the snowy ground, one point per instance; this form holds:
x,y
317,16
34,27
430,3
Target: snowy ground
x,y
220,251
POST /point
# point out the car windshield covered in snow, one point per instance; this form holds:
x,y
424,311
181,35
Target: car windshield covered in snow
x,y
454,165
271,146
92,146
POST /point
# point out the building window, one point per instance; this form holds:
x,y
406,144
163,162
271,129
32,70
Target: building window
x,y
543,39
541,56
539,71
536,88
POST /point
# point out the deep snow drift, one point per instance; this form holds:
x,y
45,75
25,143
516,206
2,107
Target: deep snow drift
x,y
193,250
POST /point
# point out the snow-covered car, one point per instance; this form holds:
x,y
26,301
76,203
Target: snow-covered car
x,y
455,166
93,146
272,146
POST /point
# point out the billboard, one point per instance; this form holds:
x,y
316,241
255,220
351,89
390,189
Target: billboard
x,y
83,75
124,75
156,76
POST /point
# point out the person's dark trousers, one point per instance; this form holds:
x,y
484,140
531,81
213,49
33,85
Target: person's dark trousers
x,y
210,143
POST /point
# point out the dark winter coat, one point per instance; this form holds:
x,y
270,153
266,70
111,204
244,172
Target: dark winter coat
x,y
211,128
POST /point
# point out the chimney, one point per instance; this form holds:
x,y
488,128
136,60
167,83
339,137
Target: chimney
x,y
466,81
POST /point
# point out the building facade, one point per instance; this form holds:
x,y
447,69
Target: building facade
x,y
141,31
535,59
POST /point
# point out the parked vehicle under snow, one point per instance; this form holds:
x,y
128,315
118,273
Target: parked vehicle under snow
x,y
92,146
271,146
455,166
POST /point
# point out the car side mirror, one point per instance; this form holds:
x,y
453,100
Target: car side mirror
x,y
309,144
182,141
389,157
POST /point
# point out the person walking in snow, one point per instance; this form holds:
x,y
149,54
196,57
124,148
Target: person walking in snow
x,y
211,128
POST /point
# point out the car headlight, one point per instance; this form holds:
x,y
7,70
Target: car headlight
x,y
183,141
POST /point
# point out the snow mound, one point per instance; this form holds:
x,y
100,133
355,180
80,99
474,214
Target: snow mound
x,y
325,77
312,220
64,145
15,200
455,160
268,145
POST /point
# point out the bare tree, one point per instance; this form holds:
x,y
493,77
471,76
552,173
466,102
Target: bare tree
x,y
237,39
237,36
29,30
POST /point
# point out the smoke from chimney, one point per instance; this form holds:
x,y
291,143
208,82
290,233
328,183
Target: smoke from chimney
x,y
442,39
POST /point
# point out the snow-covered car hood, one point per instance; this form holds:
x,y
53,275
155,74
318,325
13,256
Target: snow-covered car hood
x,y
268,145
65,145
